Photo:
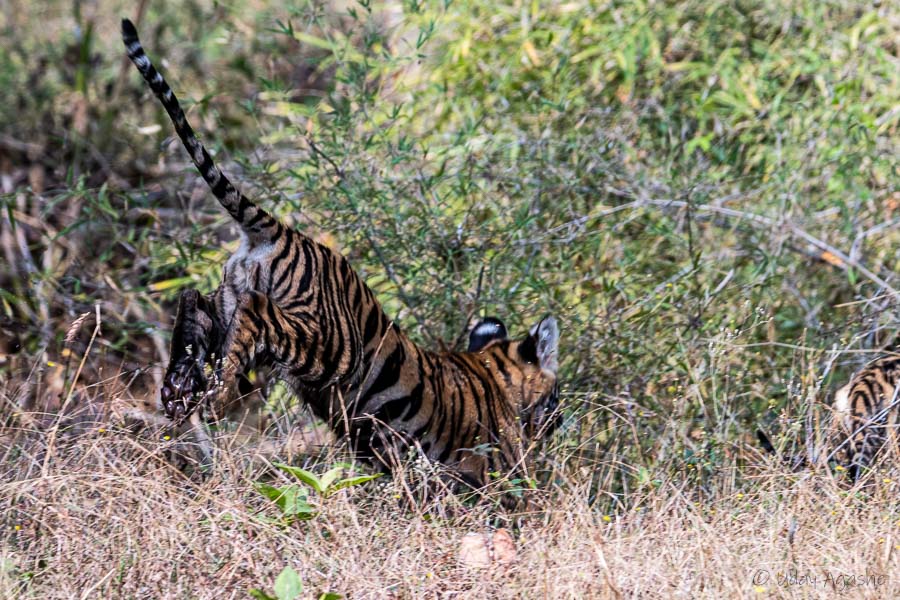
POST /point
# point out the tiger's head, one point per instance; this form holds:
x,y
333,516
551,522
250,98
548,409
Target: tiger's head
x,y
526,367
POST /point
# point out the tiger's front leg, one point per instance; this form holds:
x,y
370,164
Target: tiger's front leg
x,y
260,333
195,337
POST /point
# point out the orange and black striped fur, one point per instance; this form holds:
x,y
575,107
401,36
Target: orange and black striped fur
x,y
866,414
292,305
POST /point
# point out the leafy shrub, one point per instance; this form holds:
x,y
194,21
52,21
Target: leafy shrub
x,y
293,499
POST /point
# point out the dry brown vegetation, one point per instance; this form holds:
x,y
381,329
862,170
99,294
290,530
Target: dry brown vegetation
x,y
108,516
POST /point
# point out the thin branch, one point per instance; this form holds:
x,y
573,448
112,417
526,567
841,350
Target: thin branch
x,y
830,254
312,145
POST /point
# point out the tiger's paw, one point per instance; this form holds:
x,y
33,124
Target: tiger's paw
x,y
183,389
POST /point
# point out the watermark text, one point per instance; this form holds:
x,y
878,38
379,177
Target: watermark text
x,y
835,580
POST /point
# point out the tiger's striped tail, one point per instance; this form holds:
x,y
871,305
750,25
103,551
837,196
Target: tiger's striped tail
x,y
252,218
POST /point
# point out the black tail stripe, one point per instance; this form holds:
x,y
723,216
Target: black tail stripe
x,y
251,217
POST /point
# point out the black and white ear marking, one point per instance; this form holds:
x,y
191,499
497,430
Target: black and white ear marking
x,y
485,332
545,336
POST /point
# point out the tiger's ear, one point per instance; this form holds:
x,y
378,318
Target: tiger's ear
x,y
486,331
542,344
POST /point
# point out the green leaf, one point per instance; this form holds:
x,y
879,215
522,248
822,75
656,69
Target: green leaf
x,y
700,141
344,465
168,284
271,492
303,475
288,585
352,481
290,499
260,595
314,41
328,478
331,596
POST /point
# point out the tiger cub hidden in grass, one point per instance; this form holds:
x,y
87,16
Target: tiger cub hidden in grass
x,y
296,307
866,417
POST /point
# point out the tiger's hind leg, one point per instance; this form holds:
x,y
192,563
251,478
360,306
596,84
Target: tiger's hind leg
x,y
862,461
861,454
194,338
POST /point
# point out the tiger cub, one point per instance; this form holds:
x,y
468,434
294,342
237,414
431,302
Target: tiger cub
x,y
866,414
865,419
294,306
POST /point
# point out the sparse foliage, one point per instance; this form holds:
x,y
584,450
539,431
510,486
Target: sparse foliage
x,y
293,499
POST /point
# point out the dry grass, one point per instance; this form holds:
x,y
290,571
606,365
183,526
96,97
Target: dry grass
x,y
107,515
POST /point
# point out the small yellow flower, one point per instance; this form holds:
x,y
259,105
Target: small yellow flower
x,y
759,589
101,430
739,495
167,438
839,468
886,480
607,518
18,527
671,389
50,363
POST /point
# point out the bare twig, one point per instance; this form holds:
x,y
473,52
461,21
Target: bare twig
x,y
792,229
